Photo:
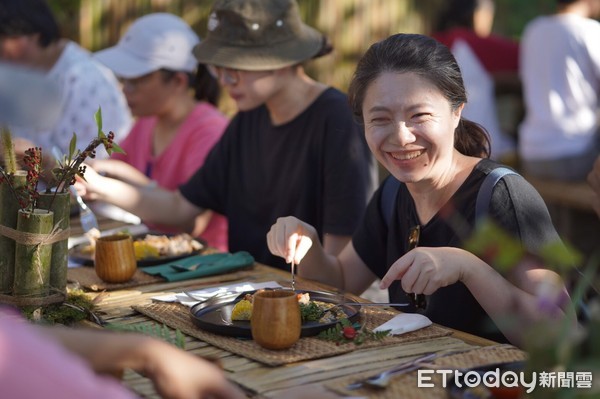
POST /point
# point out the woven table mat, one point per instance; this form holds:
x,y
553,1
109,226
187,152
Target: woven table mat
x,y
178,316
87,278
405,385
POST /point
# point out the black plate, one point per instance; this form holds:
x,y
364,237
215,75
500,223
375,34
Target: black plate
x,y
215,316
460,390
76,254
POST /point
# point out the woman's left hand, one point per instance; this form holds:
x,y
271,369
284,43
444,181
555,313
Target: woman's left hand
x,y
423,270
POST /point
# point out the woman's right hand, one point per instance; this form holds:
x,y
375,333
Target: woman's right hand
x,y
291,238
90,187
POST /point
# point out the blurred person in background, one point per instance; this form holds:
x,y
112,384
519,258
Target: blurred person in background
x,y
174,130
59,362
486,62
560,70
30,36
292,149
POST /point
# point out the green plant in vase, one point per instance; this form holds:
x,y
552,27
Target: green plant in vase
x,y
33,234
58,199
42,222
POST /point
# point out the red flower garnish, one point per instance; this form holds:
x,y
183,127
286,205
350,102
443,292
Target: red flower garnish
x,y
349,332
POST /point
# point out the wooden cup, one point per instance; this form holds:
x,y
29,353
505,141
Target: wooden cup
x,y
275,321
114,260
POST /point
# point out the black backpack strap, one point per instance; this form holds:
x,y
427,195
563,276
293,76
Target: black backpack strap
x,y
484,196
389,193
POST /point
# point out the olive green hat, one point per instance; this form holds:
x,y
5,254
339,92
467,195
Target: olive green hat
x,y
257,35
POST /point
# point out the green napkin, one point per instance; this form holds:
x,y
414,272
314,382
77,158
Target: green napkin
x,y
208,265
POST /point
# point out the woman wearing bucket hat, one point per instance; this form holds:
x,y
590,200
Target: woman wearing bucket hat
x,y
293,148
174,131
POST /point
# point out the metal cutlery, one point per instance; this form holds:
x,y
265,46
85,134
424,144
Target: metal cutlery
x,y
180,268
293,276
86,216
217,295
381,380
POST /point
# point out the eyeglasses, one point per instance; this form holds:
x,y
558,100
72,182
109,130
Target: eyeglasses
x,y
419,301
228,75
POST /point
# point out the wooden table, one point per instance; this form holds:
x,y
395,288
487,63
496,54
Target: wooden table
x,y
259,380
301,379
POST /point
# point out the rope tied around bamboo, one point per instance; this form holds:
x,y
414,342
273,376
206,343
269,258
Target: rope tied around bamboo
x,y
21,237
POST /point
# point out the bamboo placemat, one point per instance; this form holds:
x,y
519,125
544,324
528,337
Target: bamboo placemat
x,y
178,316
405,386
86,277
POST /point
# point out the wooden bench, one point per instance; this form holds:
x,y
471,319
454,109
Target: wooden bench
x,y
575,195
569,204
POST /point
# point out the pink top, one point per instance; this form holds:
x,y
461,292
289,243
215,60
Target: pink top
x,y
32,366
184,155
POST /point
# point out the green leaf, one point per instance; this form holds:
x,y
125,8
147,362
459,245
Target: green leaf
x,y
560,256
496,247
161,332
98,117
116,148
72,146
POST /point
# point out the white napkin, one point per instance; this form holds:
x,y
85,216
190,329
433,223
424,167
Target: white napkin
x,y
405,322
208,292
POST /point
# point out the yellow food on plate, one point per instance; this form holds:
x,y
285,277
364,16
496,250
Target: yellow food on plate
x,y
145,250
242,310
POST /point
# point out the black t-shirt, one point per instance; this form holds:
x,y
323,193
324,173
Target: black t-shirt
x,y
316,167
515,206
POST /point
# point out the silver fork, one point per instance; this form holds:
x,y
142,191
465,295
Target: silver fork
x,y
382,379
86,216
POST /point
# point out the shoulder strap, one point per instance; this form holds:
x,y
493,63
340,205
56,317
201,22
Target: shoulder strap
x,y
484,195
389,193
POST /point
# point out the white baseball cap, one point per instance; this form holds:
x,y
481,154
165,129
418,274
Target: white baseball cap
x,y
152,42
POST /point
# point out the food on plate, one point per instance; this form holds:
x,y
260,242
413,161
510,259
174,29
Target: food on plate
x,y
243,309
172,246
156,246
310,310
145,250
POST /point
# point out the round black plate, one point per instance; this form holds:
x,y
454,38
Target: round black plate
x,y
76,254
215,316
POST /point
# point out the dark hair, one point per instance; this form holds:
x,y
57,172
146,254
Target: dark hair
x,y
206,87
458,13
28,17
429,59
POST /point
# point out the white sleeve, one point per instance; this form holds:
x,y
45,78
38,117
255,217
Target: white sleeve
x,y
87,87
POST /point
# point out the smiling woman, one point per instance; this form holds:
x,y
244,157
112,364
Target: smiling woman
x,y
408,91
